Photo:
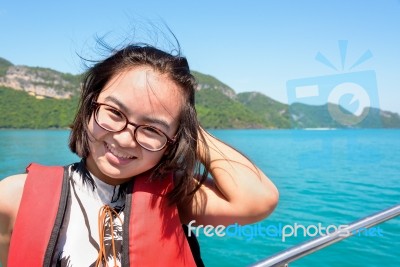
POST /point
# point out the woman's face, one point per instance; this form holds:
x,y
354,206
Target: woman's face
x,y
145,97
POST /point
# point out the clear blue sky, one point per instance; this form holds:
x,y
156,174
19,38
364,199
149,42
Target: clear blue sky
x,y
249,45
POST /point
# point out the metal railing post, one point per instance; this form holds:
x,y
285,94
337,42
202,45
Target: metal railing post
x,y
282,259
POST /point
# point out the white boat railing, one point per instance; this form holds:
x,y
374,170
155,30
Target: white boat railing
x,y
282,259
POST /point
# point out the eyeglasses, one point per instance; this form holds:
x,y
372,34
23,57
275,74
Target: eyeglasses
x,y
113,120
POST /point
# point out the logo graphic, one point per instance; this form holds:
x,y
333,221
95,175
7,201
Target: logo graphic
x,y
358,105
349,96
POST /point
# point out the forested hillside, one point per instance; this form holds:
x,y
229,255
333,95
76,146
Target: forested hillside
x,y
34,97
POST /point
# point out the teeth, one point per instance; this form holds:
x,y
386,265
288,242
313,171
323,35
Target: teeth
x,y
118,154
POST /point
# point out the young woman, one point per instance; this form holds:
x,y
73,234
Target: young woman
x,y
140,178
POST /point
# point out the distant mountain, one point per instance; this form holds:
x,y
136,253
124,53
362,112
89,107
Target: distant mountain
x,y
273,113
216,110
34,97
306,116
38,81
18,109
209,82
4,65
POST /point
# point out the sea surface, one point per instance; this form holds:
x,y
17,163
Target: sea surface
x,y
325,179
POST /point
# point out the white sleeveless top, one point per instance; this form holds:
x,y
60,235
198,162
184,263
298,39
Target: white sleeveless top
x,y
78,242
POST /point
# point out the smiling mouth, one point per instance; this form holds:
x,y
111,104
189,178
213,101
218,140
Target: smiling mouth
x,y
117,153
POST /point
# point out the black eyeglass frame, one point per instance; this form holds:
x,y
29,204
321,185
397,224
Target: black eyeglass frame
x,y
170,141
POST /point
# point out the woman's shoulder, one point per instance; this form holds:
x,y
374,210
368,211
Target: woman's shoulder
x,y
11,189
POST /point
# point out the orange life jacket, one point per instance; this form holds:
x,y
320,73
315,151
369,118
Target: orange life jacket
x,y
152,232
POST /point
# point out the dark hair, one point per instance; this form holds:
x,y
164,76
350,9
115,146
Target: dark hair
x,y
182,156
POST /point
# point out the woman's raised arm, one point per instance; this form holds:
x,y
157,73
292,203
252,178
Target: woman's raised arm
x,y
239,192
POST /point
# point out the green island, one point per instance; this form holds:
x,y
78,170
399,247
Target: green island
x,y
218,106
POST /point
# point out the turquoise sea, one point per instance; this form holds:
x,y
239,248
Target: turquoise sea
x,y
329,178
